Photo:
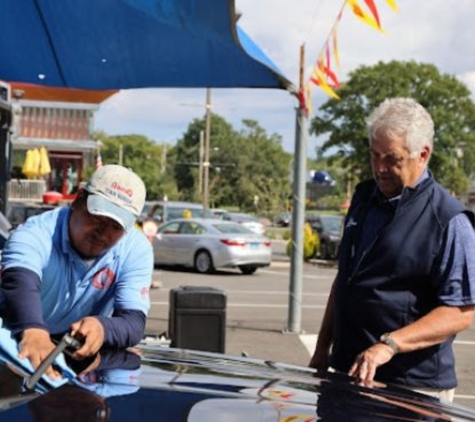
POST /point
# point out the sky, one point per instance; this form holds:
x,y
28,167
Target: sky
x,y
426,31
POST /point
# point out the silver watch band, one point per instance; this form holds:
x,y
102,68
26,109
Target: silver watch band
x,y
387,339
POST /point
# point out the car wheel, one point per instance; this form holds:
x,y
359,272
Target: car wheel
x,y
204,262
247,269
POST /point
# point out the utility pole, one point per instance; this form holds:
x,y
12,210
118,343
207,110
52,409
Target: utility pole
x,y
206,153
163,164
121,154
200,164
298,210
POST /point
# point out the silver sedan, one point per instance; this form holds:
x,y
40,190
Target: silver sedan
x,y
207,244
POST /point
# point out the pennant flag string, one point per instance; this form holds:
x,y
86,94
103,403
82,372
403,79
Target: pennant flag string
x,y
336,54
317,78
323,75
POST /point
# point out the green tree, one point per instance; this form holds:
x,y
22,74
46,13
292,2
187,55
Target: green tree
x,y
262,169
147,158
244,165
187,150
445,97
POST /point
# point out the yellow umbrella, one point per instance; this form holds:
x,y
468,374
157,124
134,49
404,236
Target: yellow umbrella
x,y
44,167
36,162
27,168
32,163
26,163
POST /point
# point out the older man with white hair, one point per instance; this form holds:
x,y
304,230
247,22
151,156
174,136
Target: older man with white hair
x,y
406,279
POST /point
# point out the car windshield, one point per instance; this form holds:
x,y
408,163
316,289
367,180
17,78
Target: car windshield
x,y
173,212
240,217
232,228
146,208
179,212
331,223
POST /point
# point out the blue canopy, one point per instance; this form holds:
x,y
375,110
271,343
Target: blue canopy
x,y
119,44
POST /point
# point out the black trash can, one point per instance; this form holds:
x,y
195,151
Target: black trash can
x,y
197,318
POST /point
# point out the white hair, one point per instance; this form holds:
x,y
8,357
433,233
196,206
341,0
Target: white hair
x,y
402,117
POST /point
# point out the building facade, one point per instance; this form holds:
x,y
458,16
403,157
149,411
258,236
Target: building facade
x,y
62,121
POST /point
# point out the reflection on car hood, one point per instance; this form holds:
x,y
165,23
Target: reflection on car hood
x,y
178,385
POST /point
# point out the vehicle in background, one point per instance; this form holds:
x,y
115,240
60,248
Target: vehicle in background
x,y
247,220
162,211
207,244
329,229
284,219
218,212
165,384
18,211
146,209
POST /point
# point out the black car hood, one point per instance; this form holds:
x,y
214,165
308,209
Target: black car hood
x,y
164,384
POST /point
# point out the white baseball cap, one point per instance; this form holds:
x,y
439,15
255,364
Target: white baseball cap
x,y
116,192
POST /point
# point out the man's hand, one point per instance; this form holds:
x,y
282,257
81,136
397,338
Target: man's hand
x,y
91,332
368,361
36,345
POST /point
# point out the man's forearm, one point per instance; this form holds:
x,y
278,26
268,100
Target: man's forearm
x,y
433,328
21,289
125,328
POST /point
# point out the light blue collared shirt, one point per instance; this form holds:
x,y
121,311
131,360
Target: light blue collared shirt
x,y
72,288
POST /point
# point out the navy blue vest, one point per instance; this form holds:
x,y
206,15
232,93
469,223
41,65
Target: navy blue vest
x,y
392,285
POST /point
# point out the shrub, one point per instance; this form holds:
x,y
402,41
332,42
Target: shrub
x,y
311,243
271,234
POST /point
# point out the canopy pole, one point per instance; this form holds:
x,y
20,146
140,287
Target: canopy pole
x,y
206,163
298,210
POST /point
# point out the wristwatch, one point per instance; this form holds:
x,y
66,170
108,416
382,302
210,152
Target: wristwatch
x,y
389,341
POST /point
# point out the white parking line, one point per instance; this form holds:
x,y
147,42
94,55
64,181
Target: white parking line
x,y
286,275
266,292
260,292
279,264
309,341
469,343
464,396
253,305
267,305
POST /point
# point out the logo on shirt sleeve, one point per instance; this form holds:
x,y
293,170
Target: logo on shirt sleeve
x,y
144,292
103,279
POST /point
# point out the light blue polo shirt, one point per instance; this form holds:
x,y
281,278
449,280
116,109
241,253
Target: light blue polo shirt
x,y
72,288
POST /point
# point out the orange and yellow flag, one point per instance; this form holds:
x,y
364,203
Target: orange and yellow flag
x,y
393,5
319,79
361,14
374,11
